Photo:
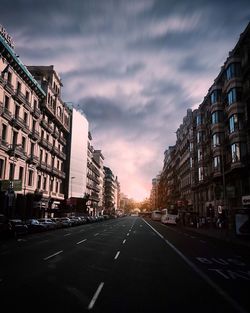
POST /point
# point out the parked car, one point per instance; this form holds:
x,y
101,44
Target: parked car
x,y
18,227
34,225
57,221
65,221
49,224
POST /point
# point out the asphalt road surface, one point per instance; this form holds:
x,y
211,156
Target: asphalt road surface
x,y
127,265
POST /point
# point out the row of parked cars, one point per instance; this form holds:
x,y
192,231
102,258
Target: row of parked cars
x,y
15,227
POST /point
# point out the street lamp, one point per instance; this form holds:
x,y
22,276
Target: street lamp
x,y
72,177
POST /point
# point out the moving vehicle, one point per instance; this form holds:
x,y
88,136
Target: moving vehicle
x,y
170,216
156,215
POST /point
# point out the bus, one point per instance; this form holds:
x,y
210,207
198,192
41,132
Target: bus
x,y
170,216
156,215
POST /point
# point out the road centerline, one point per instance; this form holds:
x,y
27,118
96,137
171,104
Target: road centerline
x,y
93,300
116,256
52,255
81,241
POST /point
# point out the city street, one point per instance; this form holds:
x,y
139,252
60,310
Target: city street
x,y
123,265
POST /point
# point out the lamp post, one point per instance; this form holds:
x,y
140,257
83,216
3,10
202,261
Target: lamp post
x,y
72,177
71,203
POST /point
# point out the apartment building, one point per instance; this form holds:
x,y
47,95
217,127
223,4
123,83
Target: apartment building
x,y
53,161
98,158
21,98
78,156
109,191
209,167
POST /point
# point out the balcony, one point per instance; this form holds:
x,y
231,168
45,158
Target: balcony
x,y
18,122
19,96
55,134
4,144
9,87
46,126
62,140
43,142
27,104
17,151
62,155
2,81
61,174
34,134
55,171
55,150
26,128
36,112
42,165
6,114
33,159
46,144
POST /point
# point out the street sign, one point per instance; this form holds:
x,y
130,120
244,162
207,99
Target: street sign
x,y
16,184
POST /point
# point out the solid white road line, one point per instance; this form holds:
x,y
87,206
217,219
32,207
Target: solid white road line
x,y
93,300
81,241
67,234
124,241
117,254
212,284
52,255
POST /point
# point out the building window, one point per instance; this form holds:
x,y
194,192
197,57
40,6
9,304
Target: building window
x,y
235,122
41,155
233,95
14,138
46,157
35,104
19,86
191,146
39,181
1,168
233,70
200,174
23,143
217,117
57,186
238,151
6,102
9,77
199,120
4,132
199,154
217,139
215,96
30,177
44,183
32,148
21,173
12,171
200,136
25,117
51,185
17,110
27,96
216,163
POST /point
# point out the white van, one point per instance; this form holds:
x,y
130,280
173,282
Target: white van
x,y
156,215
169,216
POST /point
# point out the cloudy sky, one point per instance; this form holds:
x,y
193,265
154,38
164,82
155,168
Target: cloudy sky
x,y
134,67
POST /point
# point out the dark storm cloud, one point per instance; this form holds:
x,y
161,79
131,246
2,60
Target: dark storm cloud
x,y
109,70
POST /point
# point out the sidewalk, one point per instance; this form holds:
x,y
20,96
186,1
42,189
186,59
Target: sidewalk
x,y
221,234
